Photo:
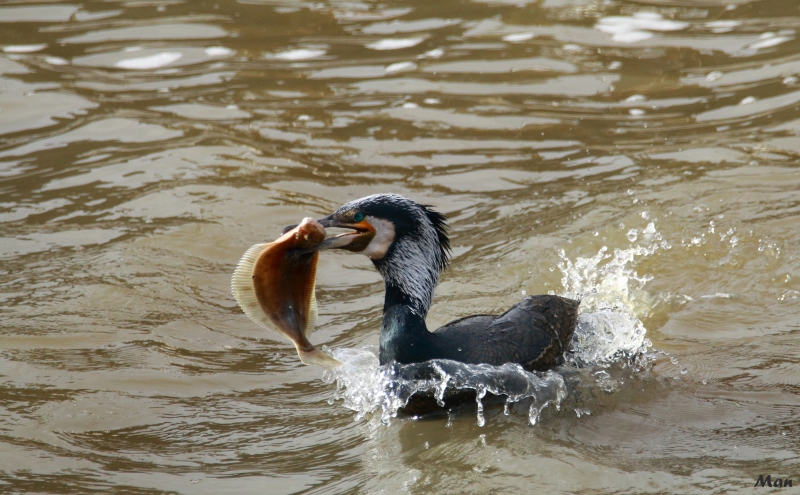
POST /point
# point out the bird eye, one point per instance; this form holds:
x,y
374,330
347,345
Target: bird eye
x,y
358,216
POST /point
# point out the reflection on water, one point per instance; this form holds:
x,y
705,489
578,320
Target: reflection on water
x,y
642,155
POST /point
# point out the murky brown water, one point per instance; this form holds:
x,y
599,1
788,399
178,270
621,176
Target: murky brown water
x,y
145,145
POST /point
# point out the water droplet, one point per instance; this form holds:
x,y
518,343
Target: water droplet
x,y
533,415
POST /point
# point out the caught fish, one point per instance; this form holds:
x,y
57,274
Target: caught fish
x,y
274,285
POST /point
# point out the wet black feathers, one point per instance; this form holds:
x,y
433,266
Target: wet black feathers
x,y
439,222
534,333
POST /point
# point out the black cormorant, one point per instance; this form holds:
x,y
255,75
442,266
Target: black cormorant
x,y
408,244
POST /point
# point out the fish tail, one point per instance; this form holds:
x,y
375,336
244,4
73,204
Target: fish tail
x,y
315,356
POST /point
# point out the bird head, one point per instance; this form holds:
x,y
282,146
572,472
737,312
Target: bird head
x,y
406,241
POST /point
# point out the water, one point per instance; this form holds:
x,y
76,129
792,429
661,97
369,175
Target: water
x,y
640,155
366,387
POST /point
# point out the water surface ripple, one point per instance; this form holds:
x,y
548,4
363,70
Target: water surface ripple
x,y
640,154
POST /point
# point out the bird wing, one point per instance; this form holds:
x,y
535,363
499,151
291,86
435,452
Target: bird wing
x,y
535,332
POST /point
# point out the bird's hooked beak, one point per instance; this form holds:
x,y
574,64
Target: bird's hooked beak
x,y
357,239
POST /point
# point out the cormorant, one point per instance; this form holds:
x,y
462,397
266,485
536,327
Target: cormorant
x,y
408,244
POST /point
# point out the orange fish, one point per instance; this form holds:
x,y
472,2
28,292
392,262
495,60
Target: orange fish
x,y
274,285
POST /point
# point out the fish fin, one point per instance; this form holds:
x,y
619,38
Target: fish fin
x,y
312,314
243,290
315,356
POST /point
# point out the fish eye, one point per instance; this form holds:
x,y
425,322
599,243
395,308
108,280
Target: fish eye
x,y
358,216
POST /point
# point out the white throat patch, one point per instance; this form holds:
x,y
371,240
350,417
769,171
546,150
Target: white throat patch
x,y
384,237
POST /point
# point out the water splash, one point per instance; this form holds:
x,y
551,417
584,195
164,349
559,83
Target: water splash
x,y
609,332
366,387
612,300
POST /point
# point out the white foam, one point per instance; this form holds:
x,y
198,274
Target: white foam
x,y
400,67
56,61
718,295
722,26
516,37
612,299
632,36
768,40
300,54
150,61
435,53
635,99
23,48
639,27
395,43
218,51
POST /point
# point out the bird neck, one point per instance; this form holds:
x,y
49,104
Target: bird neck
x,y
411,273
398,295
404,336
